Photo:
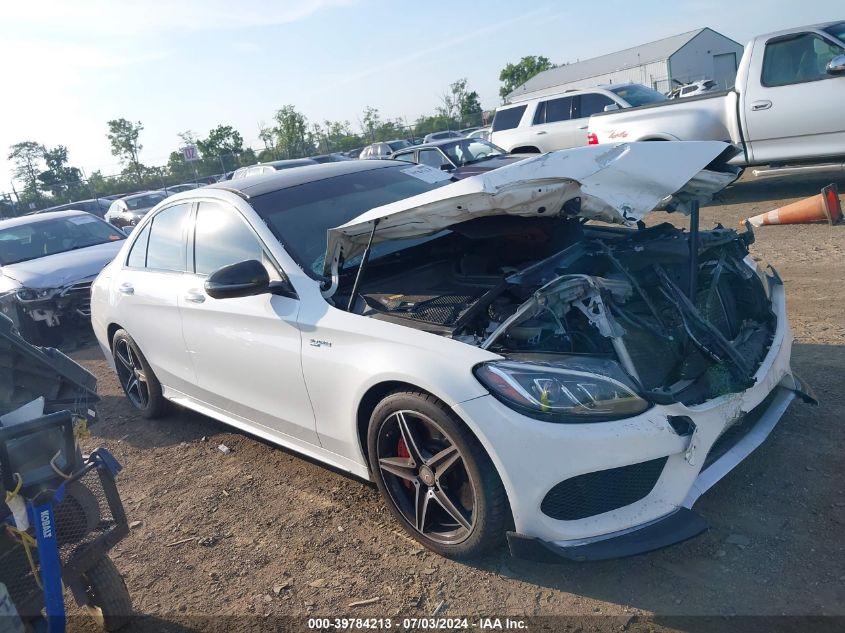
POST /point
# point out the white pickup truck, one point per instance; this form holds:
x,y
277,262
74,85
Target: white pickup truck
x,y
787,106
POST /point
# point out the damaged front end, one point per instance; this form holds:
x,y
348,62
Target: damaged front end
x,y
626,298
618,296
43,314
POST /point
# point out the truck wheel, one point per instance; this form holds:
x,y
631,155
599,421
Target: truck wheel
x,y
108,597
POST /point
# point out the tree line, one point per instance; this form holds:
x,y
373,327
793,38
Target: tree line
x,y
46,178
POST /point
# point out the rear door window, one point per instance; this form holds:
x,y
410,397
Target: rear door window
x,y
553,111
508,118
591,103
166,247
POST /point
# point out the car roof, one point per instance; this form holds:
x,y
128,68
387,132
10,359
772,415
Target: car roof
x,y
252,186
436,143
41,217
141,194
569,93
287,162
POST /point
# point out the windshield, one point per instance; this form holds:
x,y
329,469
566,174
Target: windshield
x,y
301,216
57,235
471,150
637,95
145,201
397,145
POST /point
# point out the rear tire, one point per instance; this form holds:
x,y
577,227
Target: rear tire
x,y
450,497
139,382
107,595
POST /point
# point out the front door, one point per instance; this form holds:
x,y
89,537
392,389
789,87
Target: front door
x,y
795,110
246,351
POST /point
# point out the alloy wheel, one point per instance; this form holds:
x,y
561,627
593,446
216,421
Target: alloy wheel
x,y
131,374
426,477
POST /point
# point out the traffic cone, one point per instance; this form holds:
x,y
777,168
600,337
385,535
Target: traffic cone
x,y
824,207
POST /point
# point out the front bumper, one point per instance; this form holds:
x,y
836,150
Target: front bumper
x,y
534,457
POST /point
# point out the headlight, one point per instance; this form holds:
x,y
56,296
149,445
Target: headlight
x,y
556,394
35,294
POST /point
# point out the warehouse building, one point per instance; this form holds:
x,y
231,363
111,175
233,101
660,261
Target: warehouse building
x,y
662,65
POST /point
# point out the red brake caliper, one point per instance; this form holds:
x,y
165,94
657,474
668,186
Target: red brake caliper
x,y
402,451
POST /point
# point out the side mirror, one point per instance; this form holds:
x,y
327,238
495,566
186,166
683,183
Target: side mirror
x,y
836,66
245,279
611,107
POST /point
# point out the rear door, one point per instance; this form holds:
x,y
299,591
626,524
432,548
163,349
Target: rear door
x,y
147,291
553,126
792,107
585,106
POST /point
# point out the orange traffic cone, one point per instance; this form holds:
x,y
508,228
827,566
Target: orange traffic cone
x,y
825,207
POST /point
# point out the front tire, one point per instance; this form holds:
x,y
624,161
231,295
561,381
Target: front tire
x,y
137,378
435,476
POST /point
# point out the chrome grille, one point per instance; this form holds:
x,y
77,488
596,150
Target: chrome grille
x,y
80,294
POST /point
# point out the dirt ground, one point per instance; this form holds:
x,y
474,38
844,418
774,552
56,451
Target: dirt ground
x,y
262,532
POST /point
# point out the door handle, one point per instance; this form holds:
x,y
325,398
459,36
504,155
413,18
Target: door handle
x,y
582,127
126,289
539,133
194,296
761,105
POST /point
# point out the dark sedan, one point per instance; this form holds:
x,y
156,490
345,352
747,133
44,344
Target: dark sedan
x,y
461,157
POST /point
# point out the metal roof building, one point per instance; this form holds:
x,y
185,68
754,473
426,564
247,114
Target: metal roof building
x,y
663,64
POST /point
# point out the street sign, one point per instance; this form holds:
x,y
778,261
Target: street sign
x,y
190,153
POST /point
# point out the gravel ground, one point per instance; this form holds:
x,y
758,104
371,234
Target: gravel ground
x,y
263,532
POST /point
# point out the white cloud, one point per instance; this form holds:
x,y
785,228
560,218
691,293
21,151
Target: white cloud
x,y
119,16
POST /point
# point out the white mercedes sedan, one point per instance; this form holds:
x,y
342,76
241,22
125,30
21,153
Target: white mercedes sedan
x,y
500,367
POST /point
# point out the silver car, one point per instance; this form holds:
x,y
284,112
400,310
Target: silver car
x,y
47,264
128,210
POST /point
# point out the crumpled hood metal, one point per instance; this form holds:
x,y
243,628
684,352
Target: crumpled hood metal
x,y
55,271
616,183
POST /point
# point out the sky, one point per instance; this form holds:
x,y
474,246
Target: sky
x,y
176,65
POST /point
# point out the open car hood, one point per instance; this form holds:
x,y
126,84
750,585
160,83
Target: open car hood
x,y
613,183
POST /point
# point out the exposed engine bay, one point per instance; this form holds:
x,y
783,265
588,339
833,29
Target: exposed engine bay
x,y
556,288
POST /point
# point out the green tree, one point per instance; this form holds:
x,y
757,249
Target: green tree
x,y
224,144
293,138
123,136
27,156
461,105
63,182
514,75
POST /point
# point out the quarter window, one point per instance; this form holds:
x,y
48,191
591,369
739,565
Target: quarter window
x,y
166,248
508,118
222,237
797,59
138,255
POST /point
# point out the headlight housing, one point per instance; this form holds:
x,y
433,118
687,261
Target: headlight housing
x,y
35,294
557,394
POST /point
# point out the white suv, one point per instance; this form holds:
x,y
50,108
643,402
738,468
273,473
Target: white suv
x,y
559,121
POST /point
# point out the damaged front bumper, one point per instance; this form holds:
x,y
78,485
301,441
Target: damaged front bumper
x,y
52,307
567,483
